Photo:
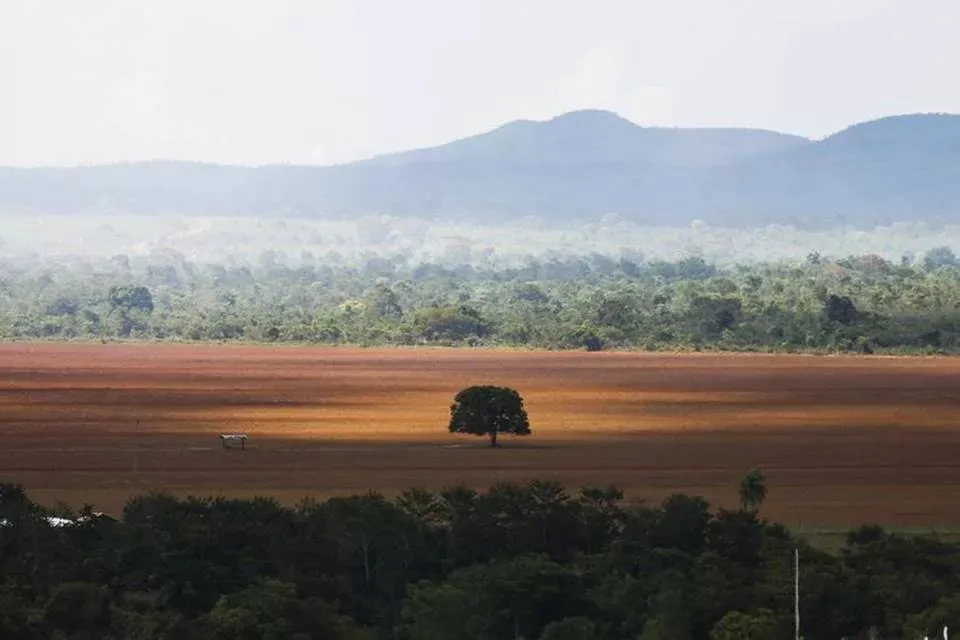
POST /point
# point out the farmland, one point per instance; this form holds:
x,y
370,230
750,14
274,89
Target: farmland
x,y
842,440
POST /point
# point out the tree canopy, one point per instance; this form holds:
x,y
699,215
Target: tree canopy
x,y
530,560
857,304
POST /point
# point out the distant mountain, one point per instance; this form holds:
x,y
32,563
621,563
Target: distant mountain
x,y
575,166
598,137
900,168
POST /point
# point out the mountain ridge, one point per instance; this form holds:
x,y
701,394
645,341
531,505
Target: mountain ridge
x,y
599,133
575,166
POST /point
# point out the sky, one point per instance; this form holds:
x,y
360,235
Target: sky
x,y
253,82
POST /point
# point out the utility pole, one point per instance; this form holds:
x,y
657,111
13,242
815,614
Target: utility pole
x,y
796,593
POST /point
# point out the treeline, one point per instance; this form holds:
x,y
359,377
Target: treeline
x,y
857,304
515,562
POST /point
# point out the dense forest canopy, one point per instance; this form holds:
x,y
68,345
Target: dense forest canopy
x,y
519,561
859,303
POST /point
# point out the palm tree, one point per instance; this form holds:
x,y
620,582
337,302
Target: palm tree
x,y
753,490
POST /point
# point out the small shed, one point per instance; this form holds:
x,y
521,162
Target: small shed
x,y
231,439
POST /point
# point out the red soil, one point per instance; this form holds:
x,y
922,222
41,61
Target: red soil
x,y
842,440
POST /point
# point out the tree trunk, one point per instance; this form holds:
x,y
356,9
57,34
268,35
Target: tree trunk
x,y
366,558
493,438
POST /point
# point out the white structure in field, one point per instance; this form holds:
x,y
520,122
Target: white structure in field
x,y
227,439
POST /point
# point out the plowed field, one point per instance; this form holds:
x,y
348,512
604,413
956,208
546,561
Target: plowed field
x,y
842,440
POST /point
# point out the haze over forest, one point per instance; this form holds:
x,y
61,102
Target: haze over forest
x,y
342,132
411,241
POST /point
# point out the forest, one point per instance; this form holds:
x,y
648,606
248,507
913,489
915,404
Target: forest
x,y
517,561
862,303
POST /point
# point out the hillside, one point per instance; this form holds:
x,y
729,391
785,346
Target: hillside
x,y
578,165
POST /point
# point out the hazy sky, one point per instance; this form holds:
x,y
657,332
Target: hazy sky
x,y
325,81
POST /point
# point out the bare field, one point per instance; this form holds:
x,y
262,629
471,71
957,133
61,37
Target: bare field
x,y
843,440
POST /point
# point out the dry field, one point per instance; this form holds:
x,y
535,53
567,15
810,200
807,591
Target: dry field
x,y
843,440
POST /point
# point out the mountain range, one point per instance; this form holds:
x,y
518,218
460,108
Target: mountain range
x,y
574,167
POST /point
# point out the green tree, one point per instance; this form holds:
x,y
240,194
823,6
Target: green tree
x,y
511,598
489,411
382,302
742,626
930,622
14,614
578,628
601,517
682,522
141,615
449,324
939,257
79,609
710,316
14,502
840,309
129,297
753,490
272,611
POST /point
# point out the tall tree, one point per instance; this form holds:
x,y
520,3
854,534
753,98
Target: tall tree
x,y
753,490
736,625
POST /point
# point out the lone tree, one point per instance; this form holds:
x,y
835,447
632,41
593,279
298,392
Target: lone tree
x,y
488,411
753,490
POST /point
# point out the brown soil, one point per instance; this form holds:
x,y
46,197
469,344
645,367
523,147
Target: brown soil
x,y
843,440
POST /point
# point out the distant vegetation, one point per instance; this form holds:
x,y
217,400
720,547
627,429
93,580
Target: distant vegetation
x,y
577,166
410,241
517,561
859,304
